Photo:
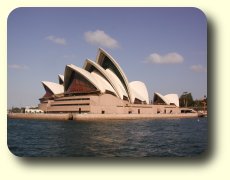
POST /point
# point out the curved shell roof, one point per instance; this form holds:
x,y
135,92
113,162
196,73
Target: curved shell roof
x,y
83,72
121,90
105,75
53,87
139,91
103,83
162,97
173,98
88,66
115,68
169,98
61,79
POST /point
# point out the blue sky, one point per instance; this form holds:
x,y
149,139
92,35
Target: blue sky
x,y
166,48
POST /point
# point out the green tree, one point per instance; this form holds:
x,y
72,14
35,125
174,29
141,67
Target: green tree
x,y
15,110
186,100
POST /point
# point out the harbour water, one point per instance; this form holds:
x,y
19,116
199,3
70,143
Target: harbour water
x,y
114,138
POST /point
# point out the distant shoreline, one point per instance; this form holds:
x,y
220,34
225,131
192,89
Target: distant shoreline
x,y
92,117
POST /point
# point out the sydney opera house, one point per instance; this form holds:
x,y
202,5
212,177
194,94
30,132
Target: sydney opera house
x,y
101,87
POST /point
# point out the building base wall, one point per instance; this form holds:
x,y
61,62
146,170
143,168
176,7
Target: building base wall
x,y
98,117
103,104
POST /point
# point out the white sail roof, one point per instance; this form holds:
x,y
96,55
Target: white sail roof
x,y
173,98
121,90
88,66
162,97
54,87
103,83
115,68
139,91
84,73
61,79
169,98
106,75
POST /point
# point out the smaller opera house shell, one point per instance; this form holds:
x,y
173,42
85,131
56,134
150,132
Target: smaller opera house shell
x,y
101,87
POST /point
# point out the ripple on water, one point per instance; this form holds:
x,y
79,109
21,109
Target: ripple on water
x,y
131,138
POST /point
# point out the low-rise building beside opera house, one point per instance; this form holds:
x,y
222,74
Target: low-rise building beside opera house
x,y
101,87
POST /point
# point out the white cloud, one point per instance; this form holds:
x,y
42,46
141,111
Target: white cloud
x,y
198,68
56,40
100,38
17,66
170,58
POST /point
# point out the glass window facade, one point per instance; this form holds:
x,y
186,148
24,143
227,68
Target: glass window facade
x,y
158,100
48,93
